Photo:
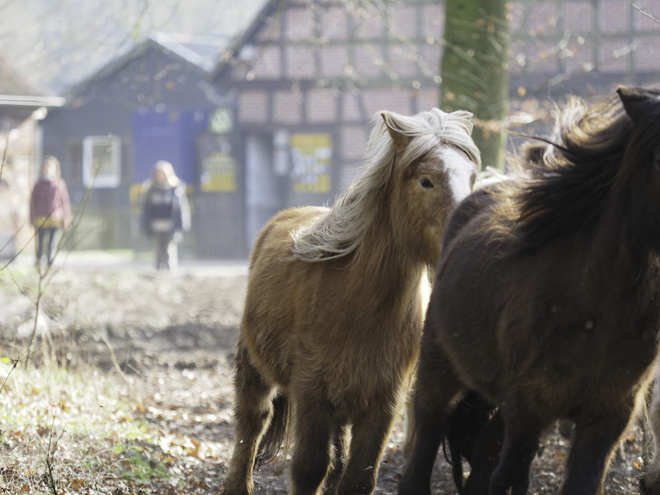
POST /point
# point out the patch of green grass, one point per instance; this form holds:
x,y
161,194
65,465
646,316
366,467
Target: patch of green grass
x,y
140,464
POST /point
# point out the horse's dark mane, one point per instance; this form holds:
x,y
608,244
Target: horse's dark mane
x,y
571,181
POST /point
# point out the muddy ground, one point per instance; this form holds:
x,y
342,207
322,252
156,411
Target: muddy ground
x,y
173,335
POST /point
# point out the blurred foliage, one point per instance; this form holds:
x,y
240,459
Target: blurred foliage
x,y
57,43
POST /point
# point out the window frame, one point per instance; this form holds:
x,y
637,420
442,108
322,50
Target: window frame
x,y
107,180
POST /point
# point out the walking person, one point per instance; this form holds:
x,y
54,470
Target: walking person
x,y
165,213
50,209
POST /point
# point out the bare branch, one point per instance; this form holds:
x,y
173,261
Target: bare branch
x,y
645,12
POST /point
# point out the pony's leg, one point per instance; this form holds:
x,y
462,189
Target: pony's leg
x,y
369,434
314,427
485,456
650,483
253,411
522,430
592,445
409,435
339,446
436,392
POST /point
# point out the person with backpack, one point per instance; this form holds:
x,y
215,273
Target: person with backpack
x,y
165,213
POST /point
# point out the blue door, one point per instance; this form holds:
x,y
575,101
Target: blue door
x,y
166,135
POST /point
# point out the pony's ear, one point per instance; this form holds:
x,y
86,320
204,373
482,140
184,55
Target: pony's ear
x,y
398,137
632,99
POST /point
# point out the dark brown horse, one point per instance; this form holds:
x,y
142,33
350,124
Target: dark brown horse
x,y
547,302
335,304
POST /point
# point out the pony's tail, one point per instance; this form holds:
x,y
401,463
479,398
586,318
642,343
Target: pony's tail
x,y
277,433
466,423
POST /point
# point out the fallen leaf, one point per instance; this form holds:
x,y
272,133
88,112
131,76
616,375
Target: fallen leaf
x,y
194,452
77,484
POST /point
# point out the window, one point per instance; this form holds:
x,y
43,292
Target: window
x,y
102,161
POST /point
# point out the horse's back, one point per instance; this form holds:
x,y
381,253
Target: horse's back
x,y
275,237
467,210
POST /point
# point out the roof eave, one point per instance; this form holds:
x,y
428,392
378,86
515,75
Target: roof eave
x,y
137,51
31,101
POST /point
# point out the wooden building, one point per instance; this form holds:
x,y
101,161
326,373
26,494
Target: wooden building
x,y
154,103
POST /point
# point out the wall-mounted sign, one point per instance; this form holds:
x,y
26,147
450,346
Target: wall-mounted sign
x,y
311,156
218,166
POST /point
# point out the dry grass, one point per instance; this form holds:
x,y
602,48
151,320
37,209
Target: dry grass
x,y
163,424
63,432
82,419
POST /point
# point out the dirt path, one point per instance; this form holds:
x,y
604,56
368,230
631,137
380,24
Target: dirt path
x,y
173,337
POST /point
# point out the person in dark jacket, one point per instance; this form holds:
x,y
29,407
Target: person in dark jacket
x,y
50,209
165,213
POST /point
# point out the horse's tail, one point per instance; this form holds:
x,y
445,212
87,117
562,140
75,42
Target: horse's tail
x,y
466,423
277,432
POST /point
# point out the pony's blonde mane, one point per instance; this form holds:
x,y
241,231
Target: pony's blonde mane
x,y
342,228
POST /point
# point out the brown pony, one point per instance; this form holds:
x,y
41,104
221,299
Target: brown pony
x,y
546,302
335,303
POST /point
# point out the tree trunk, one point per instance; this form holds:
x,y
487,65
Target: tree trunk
x,y
475,70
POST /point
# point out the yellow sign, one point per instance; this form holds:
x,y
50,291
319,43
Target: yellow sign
x,y
219,172
312,162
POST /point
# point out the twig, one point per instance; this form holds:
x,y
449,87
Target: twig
x,y
2,387
36,318
49,455
44,279
4,153
49,477
13,367
643,11
36,232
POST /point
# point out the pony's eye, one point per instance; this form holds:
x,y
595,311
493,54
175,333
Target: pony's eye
x,y
426,183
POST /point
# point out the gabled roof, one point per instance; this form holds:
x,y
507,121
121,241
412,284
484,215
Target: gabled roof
x,y
18,97
201,52
269,9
